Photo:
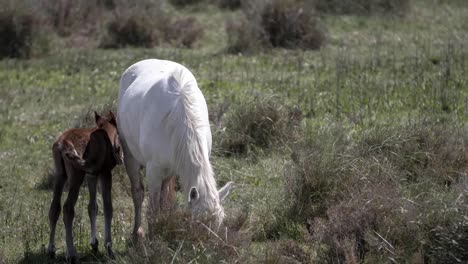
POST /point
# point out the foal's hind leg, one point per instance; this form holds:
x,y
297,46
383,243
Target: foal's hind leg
x,y
75,180
55,207
106,189
92,210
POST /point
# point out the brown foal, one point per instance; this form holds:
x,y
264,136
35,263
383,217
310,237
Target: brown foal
x,y
79,152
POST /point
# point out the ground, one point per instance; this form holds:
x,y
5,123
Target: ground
x,y
375,71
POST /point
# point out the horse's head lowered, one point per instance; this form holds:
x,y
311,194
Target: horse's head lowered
x,y
199,204
109,124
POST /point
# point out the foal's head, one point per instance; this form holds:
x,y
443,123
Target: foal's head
x,y
109,124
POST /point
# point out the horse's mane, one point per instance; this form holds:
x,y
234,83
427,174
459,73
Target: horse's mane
x,y
191,152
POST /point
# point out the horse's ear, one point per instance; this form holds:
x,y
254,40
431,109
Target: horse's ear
x,y
112,119
96,117
193,195
223,192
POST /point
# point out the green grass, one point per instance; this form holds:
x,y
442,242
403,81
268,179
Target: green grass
x,y
374,72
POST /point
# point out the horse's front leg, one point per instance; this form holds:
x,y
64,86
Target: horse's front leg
x,y
133,170
92,209
154,175
106,189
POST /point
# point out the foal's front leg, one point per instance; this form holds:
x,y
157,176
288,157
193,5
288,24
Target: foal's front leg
x,y
92,210
106,190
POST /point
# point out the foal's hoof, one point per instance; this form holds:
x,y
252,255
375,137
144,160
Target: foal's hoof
x,y
51,251
139,235
110,253
95,246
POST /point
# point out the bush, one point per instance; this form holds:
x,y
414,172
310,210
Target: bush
x,y
183,32
181,3
20,35
363,7
276,23
230,4
254,125
129,30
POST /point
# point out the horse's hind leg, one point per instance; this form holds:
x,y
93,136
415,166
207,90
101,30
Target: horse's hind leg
x,y
106,189
133,170
168,195
60,178
92,210
75,181
154,175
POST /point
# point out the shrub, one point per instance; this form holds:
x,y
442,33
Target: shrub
x,y
129,30
254,125
230,4
183,2
183,32
363,7
289,24
275,23
21,37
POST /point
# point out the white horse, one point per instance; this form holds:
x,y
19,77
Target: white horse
x,y
163,125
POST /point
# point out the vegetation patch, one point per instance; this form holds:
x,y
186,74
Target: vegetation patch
x,y
20,36
276,23
357,195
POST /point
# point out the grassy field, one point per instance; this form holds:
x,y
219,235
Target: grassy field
x,y
355,152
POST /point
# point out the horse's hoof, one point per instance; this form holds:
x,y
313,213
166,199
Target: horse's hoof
x,y
95,246
110,253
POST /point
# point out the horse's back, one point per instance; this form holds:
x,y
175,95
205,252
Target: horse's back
x,y
153,99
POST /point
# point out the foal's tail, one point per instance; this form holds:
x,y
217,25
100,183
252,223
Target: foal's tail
x,y
60,171
66,149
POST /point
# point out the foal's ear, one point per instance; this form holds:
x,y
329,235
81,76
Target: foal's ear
x,y
112,119
193,195
96,117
